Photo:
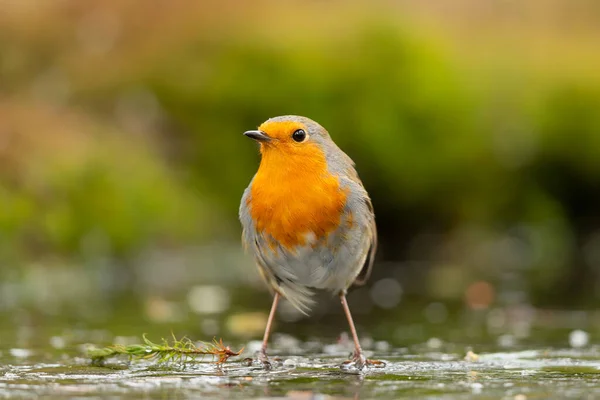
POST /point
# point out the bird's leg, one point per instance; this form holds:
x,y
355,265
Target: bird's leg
x,y
359,359
358,356
262,355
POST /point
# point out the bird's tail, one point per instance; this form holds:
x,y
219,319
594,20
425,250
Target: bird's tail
x,y
300,297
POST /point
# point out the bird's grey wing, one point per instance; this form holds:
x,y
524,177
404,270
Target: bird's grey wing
x,y
365,272
363,202
253,242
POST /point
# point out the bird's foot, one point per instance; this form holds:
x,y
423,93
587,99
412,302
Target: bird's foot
x,y
264,360
261,361
359,362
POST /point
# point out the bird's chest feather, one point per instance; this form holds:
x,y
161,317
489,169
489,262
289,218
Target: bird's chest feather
x,y
294,201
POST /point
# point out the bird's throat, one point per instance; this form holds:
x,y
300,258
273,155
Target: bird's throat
x,y
294,197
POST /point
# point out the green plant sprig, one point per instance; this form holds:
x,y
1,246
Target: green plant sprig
x,y
165,352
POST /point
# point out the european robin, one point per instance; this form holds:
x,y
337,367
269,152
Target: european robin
x,y
307,218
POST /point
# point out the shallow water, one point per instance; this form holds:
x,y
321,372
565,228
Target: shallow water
x,y
519,353
419,372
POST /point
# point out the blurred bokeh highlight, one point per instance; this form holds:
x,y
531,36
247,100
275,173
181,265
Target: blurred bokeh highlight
x,y
475,126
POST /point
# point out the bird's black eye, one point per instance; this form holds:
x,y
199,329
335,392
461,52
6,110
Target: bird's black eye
x,y
299,135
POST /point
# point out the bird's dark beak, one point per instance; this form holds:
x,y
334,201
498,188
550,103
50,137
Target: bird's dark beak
x,y
259,136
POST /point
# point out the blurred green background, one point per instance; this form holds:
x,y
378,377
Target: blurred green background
x,y
475,126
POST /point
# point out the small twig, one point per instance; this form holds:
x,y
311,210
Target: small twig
x,y
179,350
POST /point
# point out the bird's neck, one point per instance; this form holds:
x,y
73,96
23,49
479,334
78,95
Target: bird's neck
x,y
292,164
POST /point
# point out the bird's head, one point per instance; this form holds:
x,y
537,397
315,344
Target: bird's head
x,y
292,136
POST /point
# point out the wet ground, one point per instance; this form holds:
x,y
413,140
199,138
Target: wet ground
x,y
432,350
309,370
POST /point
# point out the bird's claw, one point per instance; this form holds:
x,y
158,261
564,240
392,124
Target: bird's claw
x,y
261,361
359,362
375,363
264,360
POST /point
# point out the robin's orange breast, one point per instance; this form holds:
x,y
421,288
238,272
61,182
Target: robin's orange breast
x,y
293,195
